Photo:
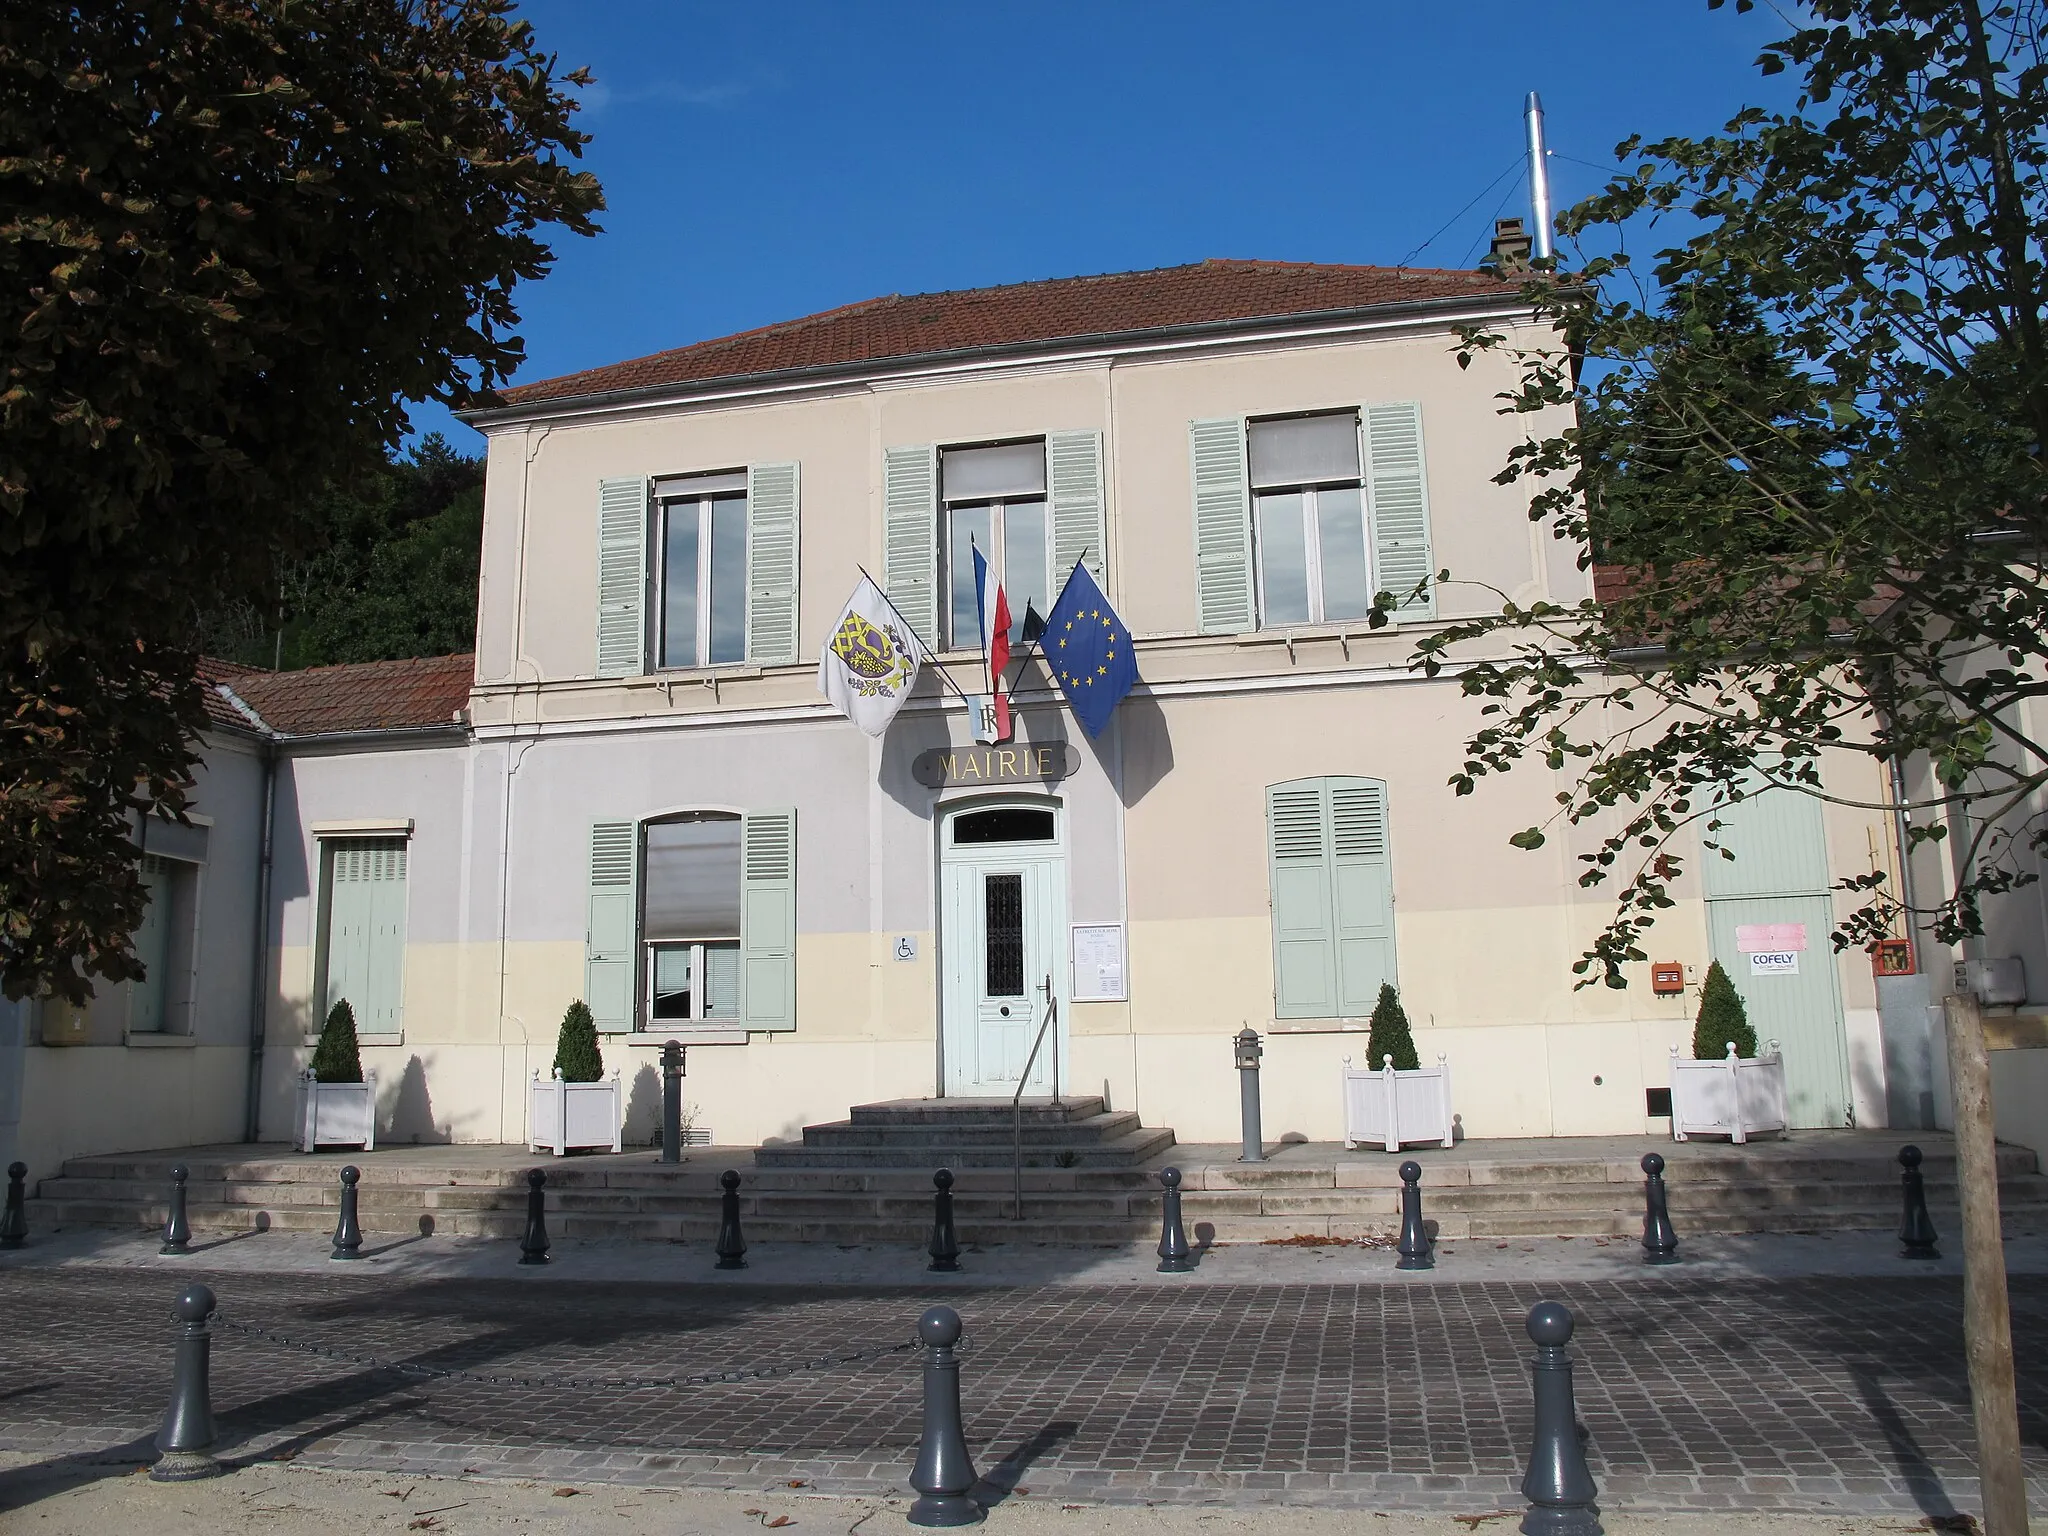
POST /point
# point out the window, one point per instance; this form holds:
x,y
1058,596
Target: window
x,y
362,940
701,570
1308,497
690,920
159,1003
993,499
1332,896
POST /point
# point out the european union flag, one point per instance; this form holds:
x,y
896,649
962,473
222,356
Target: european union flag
x,y
1089,651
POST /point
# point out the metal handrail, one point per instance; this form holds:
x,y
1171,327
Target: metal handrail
x,y
1052,1013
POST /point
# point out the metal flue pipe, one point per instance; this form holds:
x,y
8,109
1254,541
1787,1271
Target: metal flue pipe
x,y
1539,178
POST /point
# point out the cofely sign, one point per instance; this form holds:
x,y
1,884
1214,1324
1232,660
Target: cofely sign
x,y
1041,762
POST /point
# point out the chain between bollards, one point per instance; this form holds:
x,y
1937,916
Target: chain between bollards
x,y
177,1231
533,1245
1660,1238
1417,1251
14,1220
1559,1487
944,1471
945,1243
732,1244
1175,1257
348,1231
185,1439
1916,1228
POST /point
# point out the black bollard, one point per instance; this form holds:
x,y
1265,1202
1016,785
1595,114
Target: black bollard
x,y
533,1247
944,1470
732,1247
348,1232
1916,1227
672,1102
1559,1488
187,1434
14,1220
177,1232
1660,1239
945,1243
1175,1257
1417,1251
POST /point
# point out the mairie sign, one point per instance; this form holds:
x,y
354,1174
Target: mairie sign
x,y
1024,762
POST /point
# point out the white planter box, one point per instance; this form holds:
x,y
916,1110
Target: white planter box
x,y
1735,1097
564,1115
337,1114
1394,1108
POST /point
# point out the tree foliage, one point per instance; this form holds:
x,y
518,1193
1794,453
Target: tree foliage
x,y
337,1059
235,236
577,1057
1807,438
1389,1034
1723,1020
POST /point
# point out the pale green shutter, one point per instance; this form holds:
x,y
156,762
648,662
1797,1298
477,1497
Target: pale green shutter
x,y
1398,496
1362,893
614,923
1223,527
366,932
1304,941
771,562
621,577
768,919
152,947
910,536
1074,477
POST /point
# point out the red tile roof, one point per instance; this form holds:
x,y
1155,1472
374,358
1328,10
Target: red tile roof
x,y
1018,314
360,696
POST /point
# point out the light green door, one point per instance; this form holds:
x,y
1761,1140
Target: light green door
x,y
1768,917
1002,931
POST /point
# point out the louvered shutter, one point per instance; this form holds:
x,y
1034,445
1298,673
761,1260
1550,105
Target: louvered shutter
x,y
152,948
771,562
768,919
366,932
910,536
1398,493
610,939
1304,940
1223,528
621,577
1073,463
1362,893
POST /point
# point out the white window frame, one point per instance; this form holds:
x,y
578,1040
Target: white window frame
x,y
1311,531
667,507
997,561
696,1019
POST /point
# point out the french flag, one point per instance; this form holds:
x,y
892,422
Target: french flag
x,y
993,609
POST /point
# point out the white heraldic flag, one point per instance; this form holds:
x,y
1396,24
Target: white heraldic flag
x,y
870,662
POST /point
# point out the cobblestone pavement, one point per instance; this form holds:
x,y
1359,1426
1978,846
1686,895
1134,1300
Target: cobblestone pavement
x,y
1835,1394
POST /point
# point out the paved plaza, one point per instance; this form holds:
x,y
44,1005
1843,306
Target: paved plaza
x,y
1717,1386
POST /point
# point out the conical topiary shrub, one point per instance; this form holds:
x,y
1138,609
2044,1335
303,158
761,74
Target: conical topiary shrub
x,y
1390,1036
576,1053
336,1059
1722,1019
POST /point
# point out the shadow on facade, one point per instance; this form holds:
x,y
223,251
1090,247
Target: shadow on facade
x,y
410,1117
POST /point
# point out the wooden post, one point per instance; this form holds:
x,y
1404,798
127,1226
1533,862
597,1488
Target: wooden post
x,y
1987,1319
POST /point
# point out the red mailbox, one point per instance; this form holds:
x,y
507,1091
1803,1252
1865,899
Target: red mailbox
x,y
1667,978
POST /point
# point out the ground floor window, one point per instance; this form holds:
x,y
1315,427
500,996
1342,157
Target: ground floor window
x,y
690,919
362,939
1332,895
160,1001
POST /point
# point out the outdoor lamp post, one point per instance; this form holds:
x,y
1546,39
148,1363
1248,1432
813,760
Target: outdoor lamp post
x,y
672,1102
1248,1053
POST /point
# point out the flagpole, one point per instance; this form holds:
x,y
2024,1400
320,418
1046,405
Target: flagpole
x,y
943,675
1038,645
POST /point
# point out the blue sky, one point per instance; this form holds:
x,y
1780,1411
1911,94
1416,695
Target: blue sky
x,y
763,162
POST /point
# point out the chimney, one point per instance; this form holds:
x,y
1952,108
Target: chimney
x,y
1510,249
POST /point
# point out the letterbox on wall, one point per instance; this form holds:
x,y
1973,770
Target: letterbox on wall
x,y
1892,957
1667,978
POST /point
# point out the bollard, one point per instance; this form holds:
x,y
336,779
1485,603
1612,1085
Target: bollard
x,y
1559,1488
348,1232
1175,1258
187,1434
945,1243
1660,1239
732,1247
944,1470
533,1247
1916,1228
1248,1054
1417,1251
177,1232
672,1102
14,1220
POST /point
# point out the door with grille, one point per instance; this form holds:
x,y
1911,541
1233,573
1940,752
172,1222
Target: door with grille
x,y
1002,915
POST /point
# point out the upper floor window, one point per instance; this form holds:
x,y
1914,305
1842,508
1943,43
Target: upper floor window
x,y
700,575
993,499
1308,495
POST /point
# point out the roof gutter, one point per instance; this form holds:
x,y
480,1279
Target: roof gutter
x,y
1307,324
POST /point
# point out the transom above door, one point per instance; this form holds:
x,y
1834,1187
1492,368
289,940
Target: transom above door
x,y
1002,917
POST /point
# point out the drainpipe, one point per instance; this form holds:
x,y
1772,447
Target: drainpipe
x,y
1900,825
259,965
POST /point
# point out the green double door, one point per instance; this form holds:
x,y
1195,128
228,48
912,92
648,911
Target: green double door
x,y
1768,918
